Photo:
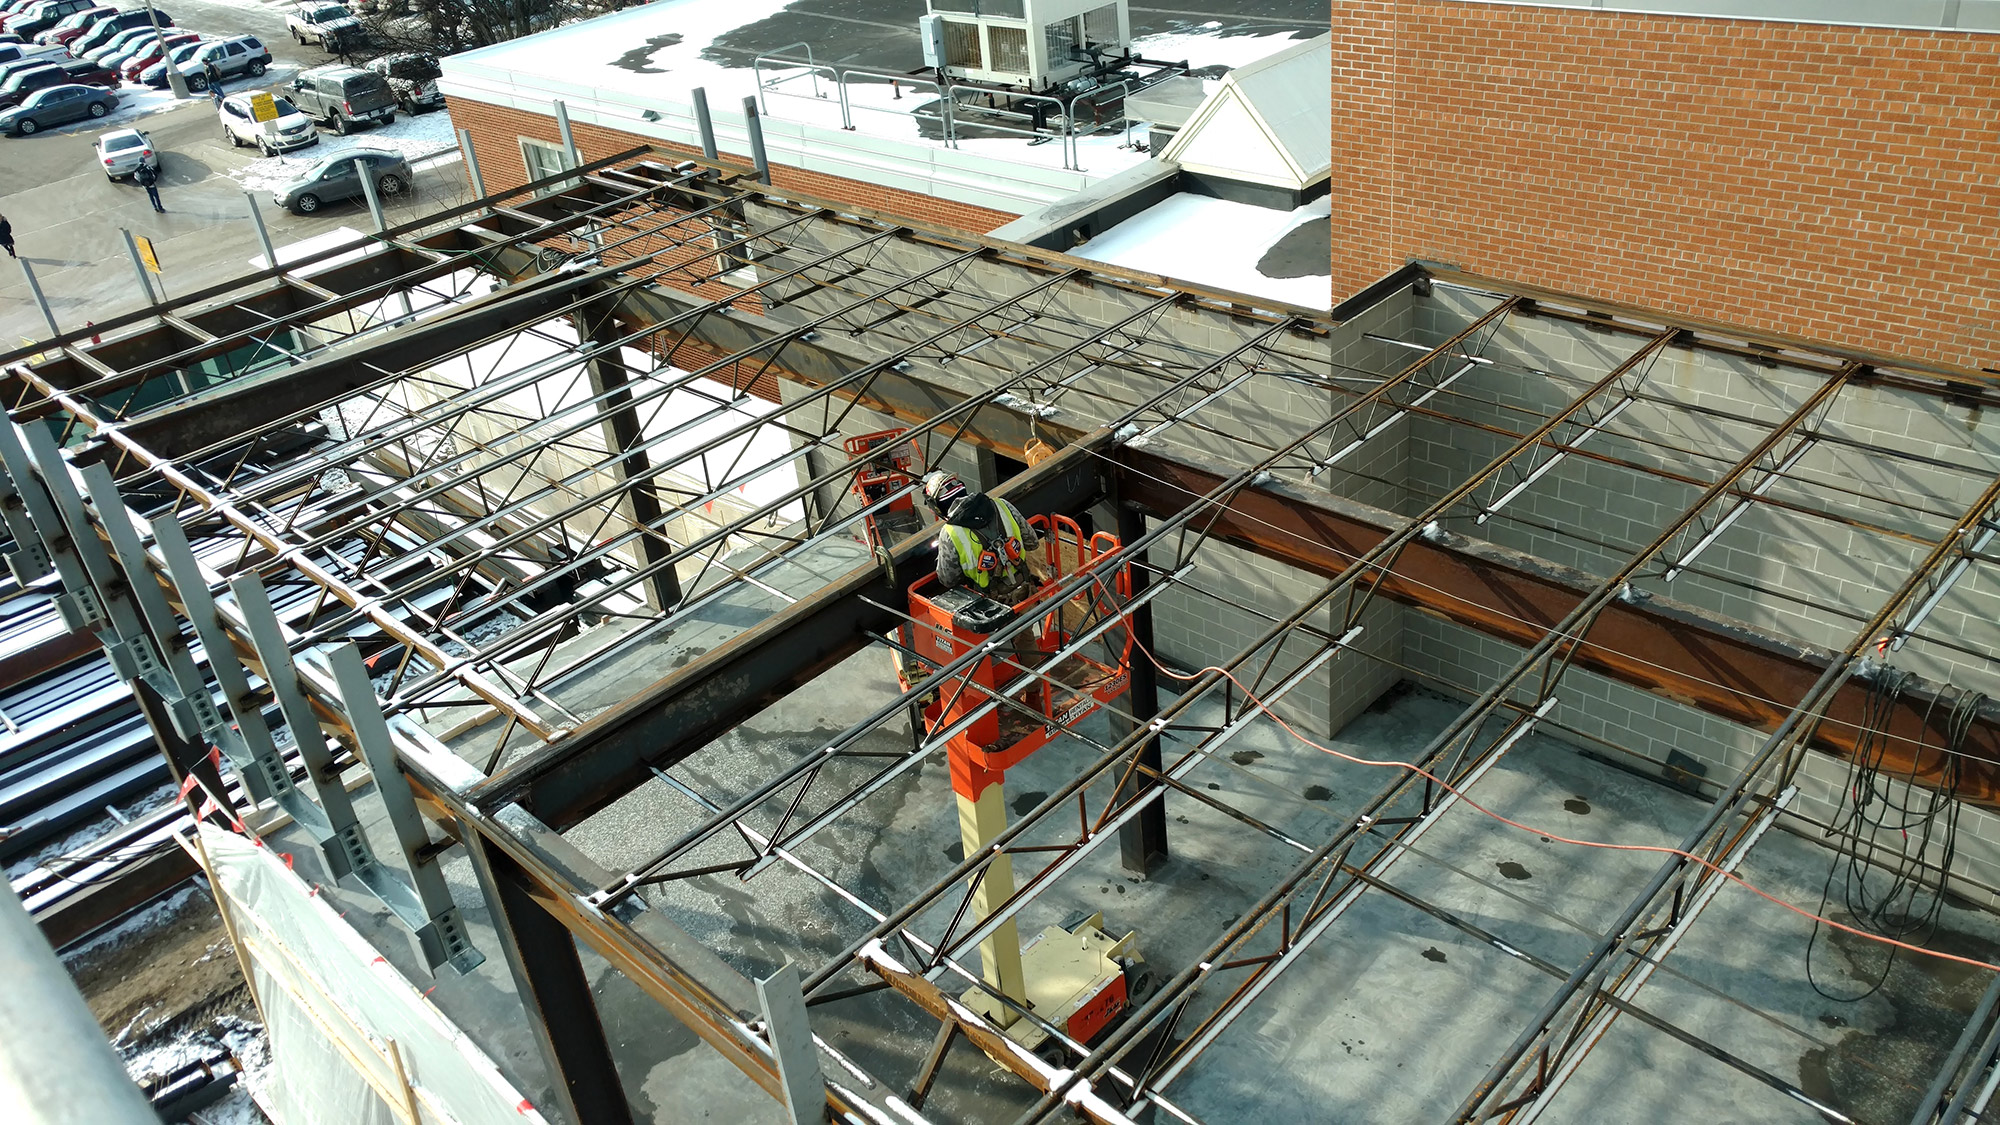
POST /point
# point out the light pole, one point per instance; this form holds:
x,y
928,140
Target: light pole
x,y
174,80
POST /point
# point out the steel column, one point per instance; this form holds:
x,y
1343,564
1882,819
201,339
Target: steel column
x,y
625,439
555,992
1142,844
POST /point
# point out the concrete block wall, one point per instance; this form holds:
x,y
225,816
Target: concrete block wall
x,y
1671,740
1201,624
1837,539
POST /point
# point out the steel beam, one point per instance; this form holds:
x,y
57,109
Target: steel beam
x,y
1672,650
1546,1037
245,406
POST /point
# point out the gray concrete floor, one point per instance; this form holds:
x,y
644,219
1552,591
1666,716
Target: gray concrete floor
x,y
1391,1016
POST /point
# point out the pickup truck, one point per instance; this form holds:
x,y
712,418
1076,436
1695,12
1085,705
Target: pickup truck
x,y
341,96
413,79
328,25
22,52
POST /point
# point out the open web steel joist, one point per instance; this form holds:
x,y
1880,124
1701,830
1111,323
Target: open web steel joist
x,y
566,470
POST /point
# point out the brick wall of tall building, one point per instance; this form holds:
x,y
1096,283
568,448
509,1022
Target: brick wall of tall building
x,y
496,140
1830,182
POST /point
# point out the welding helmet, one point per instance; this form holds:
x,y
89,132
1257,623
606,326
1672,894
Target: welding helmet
x,y
943,490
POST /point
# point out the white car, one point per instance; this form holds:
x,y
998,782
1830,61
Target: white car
x,y
283,133
122,151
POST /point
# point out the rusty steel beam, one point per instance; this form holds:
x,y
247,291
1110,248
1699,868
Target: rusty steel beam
x,y
1667,648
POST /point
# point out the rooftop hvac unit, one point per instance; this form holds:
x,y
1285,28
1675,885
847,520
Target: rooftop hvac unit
x,y
1032,43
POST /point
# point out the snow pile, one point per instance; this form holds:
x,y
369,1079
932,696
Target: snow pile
x,y
426,134
1214,243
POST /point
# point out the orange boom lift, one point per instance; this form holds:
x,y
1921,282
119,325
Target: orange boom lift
x,y
1011,702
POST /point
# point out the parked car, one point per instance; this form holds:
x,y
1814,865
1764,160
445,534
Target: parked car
x,y
56,105
83,72
116,44
283,133
9,70
73,25
413,79
105,30
335,178
340,96
154,50
24,82
240,54
156,73
39,17
22,52
328,25
125,151
125,48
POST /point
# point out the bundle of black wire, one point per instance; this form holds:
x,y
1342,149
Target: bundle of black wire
x,y
1886,827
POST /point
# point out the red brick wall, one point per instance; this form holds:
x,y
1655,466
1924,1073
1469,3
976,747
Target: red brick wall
x,y
496,140
1828,182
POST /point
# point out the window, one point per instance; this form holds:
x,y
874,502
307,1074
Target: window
x,y
542,159
1010,49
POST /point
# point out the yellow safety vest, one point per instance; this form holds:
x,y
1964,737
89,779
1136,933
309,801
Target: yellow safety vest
x,y
969,548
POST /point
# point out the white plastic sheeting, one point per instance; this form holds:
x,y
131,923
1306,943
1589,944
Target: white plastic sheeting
x,y
353,1042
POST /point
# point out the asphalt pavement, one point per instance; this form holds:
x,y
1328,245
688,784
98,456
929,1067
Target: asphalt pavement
x,y
67,217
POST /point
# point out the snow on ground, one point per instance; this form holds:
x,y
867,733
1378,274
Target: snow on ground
x,y
1203,46
426,134
1212,242
325,240
611,54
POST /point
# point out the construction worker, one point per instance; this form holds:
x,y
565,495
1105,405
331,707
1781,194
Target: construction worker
x,y
984,545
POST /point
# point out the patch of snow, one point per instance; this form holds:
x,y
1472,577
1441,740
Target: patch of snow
x,y
1203,48
1213,242
326,240
136,926
241,1039
424,135
1027,406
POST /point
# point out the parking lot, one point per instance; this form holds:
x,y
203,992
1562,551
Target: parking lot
x,y
67,217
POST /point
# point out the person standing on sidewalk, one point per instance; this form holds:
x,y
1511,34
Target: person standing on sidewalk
x,y
7,236
214,75
150,177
